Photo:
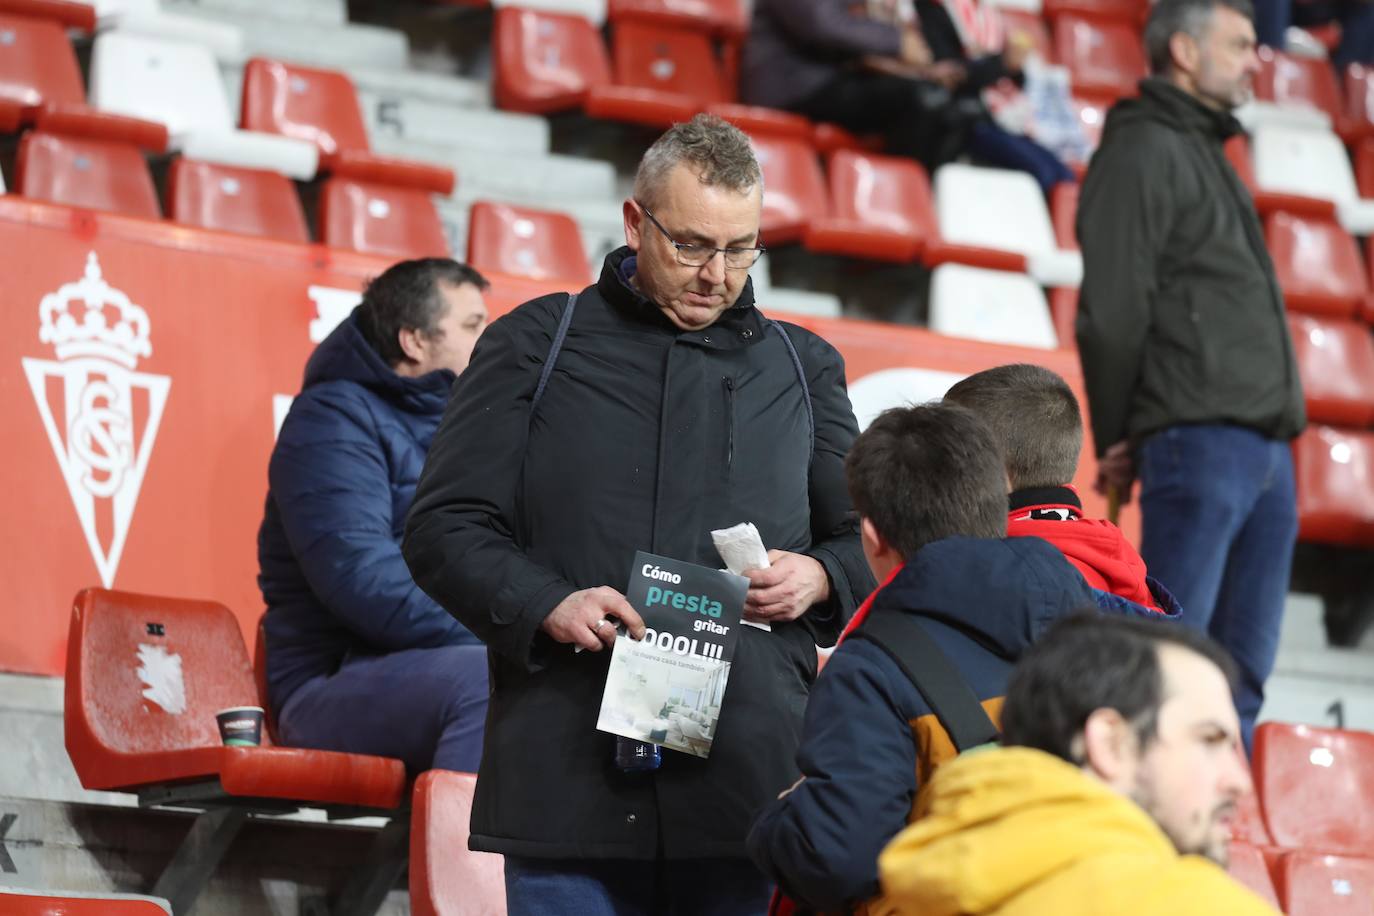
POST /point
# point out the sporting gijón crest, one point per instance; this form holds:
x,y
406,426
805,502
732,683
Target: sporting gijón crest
x,y
101,415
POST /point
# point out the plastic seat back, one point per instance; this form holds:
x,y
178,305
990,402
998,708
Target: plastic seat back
x,y
1248,867
1032,25
318,106
794,191
545,62
1359,97
1104,58
380,219
446,878
646,56
1299,82
245,201
1335,476
37,65
1302,160
1316,784
1336,361
881,208
1064,214
21,902
990,305
146,675
1312,884
539,244
716,17
175,83
1318,264
992,208
84,172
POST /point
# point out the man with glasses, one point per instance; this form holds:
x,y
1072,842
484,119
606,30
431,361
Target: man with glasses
x,y
641,414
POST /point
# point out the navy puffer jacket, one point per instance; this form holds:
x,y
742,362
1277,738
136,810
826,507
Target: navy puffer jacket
x,y
341,481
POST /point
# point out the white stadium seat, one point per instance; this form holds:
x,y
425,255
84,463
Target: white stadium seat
x,y
178,84
990,305
1310,163
1004,210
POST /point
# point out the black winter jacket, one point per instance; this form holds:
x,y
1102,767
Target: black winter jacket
x,y
646,437
1180,317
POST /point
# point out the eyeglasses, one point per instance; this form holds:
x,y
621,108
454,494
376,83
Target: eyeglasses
x,y
700,255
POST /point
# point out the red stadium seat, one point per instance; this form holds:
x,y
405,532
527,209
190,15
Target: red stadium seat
x,y
145,677
1359,100
380,219
662,76
1316,784
1317,264
72,14
1247,826
1105,59
20,902
1335,475
1063,213
446,879
794,189
1025,21
539,244
1312,884
880,209
545,62
321,107
1238,154
1249,867
1336,360
1364,167
260,678
81,172
726,18
1129,12
1309,82
828,138
245,201
37,66
1064,313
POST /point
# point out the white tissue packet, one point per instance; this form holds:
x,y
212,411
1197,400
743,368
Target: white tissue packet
x,y
741,548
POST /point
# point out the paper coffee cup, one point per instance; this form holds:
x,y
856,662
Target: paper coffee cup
x,y
240,726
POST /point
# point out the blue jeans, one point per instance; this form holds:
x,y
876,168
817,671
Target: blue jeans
x,y
627,887
1220,518
427,707
995,146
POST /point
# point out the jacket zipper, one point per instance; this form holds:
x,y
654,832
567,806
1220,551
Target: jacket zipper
x,y
729,421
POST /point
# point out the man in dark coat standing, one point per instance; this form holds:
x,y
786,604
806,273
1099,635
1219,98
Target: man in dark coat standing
x,y
1186,356
671,407
358,658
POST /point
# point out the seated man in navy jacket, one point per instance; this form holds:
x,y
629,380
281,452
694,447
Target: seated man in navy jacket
x,y
359,659
930,486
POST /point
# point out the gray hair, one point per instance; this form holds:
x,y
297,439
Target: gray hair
x,y
715,148
1192,17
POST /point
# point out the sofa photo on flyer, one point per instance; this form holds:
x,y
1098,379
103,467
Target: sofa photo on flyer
x,y
667,689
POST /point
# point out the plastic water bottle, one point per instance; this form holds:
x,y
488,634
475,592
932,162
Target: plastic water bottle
x,y
637,756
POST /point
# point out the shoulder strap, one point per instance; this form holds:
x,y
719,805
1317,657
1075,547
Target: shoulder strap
x,y
801,377
901,636
563,324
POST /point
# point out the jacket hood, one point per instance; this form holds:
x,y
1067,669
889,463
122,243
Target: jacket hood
x,y
1006,593
1162,102
346,355
1097,545
999,822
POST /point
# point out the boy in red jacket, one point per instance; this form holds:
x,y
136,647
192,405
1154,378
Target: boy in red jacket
x,y
1034,416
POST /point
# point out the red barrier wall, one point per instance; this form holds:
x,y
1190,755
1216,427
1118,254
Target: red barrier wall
x,y
140,367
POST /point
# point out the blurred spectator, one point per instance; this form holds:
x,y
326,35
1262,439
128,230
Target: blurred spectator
x,y
930,486
895,68
1121,771
1189,368
655,406
1356,19
358,658
1036,423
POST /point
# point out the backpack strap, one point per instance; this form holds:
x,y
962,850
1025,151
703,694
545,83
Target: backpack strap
x,y
563,324
901,636
801,377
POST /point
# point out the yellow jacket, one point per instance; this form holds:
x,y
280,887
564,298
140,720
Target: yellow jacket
x,y
1014,831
